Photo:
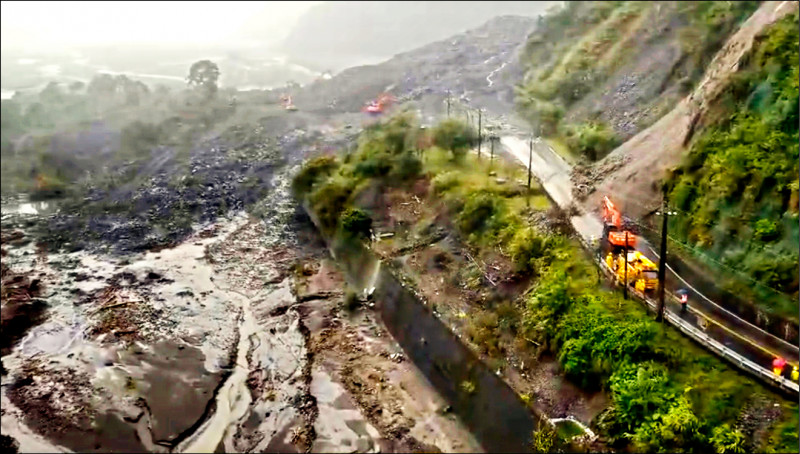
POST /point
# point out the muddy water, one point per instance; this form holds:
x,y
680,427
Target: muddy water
x,y
161,379
198,348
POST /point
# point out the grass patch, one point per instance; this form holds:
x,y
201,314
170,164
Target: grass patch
x,y
558,145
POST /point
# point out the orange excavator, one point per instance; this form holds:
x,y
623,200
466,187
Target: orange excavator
x,y
612,227
377,106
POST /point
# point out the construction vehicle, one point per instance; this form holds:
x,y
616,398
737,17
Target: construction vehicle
x,y
617,237
378,105
642,272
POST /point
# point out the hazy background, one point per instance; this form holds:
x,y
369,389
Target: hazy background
x,y
257,45
37,26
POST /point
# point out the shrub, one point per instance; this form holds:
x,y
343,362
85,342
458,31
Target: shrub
x,y
454,135
482,329
375,166
766,230
593,140
445,181
639,390
526,249
726,440
328,201
544,438
406,167
675,431
356,222
351,301
480,212
311,172
468,387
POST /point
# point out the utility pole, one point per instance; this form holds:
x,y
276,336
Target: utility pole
x,y
662,264
448,103
480,138
530,161
492,140
625,284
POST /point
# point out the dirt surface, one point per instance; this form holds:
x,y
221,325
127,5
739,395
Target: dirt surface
x,y
650,153
289,371
359,367
21,309
459,285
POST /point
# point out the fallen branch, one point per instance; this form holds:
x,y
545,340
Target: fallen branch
x,y
109,307
481,267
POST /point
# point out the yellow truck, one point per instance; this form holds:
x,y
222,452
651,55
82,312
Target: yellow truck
x,y
642,272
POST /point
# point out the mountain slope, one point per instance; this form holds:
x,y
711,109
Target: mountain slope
x,y
341,34
461,64
735,152
597,73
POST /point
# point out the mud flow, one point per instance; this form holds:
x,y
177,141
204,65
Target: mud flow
x,y
235,340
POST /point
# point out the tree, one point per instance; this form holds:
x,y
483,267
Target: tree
x,y
51,94
454,135
76,86
204,74
11,115
101,85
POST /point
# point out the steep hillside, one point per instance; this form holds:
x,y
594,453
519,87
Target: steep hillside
x,y
734,143
341,34
472,65
597,73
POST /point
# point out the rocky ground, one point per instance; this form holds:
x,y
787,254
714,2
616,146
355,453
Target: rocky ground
x,y
233,340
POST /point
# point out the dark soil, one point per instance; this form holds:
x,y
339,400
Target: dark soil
x,y
20,309
40,405
8,444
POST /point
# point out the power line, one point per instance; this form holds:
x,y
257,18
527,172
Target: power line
x,y
693,250
672,208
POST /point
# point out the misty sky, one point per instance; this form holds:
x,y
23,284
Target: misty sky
x,y
43,24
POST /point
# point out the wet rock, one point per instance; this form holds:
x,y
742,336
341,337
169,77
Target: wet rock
x,y
8,444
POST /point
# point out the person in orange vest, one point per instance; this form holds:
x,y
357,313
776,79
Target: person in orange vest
x,y
777,366
795,374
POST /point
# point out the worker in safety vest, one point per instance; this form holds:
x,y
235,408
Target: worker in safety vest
x,y
795,374
777,366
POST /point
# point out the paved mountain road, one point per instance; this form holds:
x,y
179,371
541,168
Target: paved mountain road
x,y
705,314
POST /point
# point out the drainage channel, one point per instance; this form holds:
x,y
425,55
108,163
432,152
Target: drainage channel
x,y
499,419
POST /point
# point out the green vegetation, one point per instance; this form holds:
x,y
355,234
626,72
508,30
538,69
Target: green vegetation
x,y
578,50
543,439
204,75
738,188
51,140
666,393
356,222
455,136
386,156
592,140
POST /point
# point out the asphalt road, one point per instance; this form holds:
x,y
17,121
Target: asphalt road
x,y
704,313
